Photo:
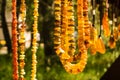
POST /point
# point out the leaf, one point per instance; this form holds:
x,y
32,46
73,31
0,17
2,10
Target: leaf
x,y
105,23
100,46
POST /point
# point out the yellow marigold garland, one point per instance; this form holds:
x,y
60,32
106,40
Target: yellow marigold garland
x,y
34,41
22,39
76,63
57,28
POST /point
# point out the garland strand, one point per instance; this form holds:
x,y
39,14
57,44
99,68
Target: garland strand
x,y
22,39
64,27
57,29
64,22
87,24
14,41
71,29
81,46
34,41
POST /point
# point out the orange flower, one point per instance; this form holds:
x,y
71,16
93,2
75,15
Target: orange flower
x,y
112,42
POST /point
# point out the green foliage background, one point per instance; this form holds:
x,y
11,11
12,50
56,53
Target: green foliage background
x,y
53,70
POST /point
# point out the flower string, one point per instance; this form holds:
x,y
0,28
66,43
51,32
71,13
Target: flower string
x,y
22,39
34,41
14,41
87,24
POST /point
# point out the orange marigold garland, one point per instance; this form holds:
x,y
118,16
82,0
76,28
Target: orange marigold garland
x,y
81,45
77,63
22,39
34,41
72,63
64,27
14,41
87,24
71,29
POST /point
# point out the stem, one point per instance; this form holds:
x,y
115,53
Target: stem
x,y
101,16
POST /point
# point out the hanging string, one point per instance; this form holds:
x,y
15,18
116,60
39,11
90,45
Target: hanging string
x,y
22,39
116,13
93,12
34,41
101,15
117,4
14,41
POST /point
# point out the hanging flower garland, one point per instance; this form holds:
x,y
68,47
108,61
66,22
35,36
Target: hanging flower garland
x,y
14,41
76,63
34,41
66,42
22,39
